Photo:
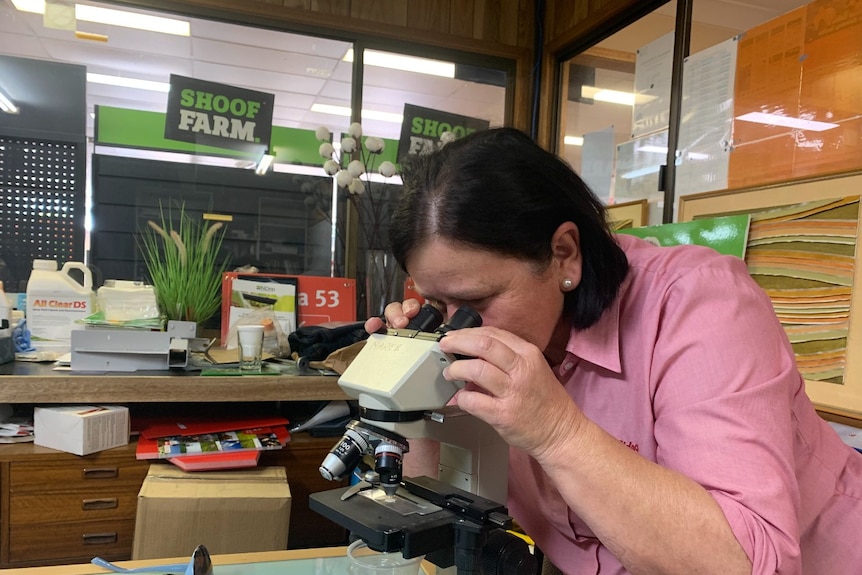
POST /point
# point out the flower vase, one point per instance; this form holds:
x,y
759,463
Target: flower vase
x,y
384,281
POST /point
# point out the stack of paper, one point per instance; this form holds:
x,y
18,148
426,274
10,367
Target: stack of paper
x,y
200,444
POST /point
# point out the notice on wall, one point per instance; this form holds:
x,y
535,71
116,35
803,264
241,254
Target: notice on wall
x,y
706,128
218,115
422,128
639,162
597,162
653,70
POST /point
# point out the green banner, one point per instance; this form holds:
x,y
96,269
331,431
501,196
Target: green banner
x,y
726,234
124,128
219,115
422,128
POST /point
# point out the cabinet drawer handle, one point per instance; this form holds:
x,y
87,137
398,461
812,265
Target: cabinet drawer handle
x,y
100,473
106,503
99,538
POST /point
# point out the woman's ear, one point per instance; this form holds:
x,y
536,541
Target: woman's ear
x,y
566,247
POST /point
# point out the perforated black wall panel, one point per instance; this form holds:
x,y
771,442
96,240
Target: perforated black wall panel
x,y
41,205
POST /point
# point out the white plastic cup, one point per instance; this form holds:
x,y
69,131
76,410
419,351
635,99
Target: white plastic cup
x,y
365,561
250,339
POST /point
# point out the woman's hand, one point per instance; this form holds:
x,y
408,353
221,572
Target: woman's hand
x,y
512,388
396,315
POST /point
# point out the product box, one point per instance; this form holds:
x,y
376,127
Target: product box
x,y
81,429
227,511
295,300
252,293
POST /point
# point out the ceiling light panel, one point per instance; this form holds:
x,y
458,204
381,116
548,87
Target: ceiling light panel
x,y
103,59
112,17
34,6
232,53
366,114
405,63
263,80
609,96
125,82
272,40
6,104
132,20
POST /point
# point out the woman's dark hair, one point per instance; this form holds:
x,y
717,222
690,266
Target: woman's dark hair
x,y
497,190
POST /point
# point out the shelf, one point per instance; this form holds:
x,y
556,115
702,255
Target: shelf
x,y
22,382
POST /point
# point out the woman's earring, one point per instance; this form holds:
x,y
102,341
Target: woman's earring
x,y
568,284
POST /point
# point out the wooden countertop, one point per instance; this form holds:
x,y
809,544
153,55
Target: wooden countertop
x,y
231,559
23,382
265,562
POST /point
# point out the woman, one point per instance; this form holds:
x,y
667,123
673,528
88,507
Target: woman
x,y
656,418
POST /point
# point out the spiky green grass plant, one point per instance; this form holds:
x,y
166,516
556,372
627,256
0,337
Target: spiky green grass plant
x,y
184,265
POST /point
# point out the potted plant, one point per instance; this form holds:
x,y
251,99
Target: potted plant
x,y
184,265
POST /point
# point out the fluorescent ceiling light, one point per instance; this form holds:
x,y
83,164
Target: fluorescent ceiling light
x,y
405,63
35,6
366,114
786,121
641,172
264,164
573,141
114,17
663,150
7,105
652,148
611,96
128,82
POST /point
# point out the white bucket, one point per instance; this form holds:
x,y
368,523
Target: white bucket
x,y
55,301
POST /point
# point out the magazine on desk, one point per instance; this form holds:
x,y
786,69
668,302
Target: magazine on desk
x,y
253,439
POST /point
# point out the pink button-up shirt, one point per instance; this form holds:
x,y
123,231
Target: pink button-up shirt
x,y
691,369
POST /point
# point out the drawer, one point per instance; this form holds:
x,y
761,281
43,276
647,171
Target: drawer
x,y
80,473
106,504
74,542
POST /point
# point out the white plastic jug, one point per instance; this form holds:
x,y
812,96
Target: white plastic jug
x,y
5,315
55,301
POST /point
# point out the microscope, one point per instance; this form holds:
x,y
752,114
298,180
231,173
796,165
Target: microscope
x,y
453,521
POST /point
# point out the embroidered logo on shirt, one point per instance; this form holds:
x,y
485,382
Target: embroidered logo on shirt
x,y
630,445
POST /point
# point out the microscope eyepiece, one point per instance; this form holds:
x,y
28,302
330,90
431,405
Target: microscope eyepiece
x,y
428,319
465,316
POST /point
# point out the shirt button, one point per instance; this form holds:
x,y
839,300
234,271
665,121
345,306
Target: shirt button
x,y
568,365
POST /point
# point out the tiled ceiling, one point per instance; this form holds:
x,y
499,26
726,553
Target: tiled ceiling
x,y
301,70
298,70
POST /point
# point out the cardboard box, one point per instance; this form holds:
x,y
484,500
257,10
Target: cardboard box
x,y
81,429
228,511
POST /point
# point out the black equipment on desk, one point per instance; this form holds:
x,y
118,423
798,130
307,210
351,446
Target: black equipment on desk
x,y
461,529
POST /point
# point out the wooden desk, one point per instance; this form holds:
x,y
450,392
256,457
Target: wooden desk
x,y
23,382
33,383
234,559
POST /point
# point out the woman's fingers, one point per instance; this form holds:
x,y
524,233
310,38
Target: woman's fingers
x,y
494,347
396,314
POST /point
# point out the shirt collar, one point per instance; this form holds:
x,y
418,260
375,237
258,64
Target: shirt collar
x,y
600,344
